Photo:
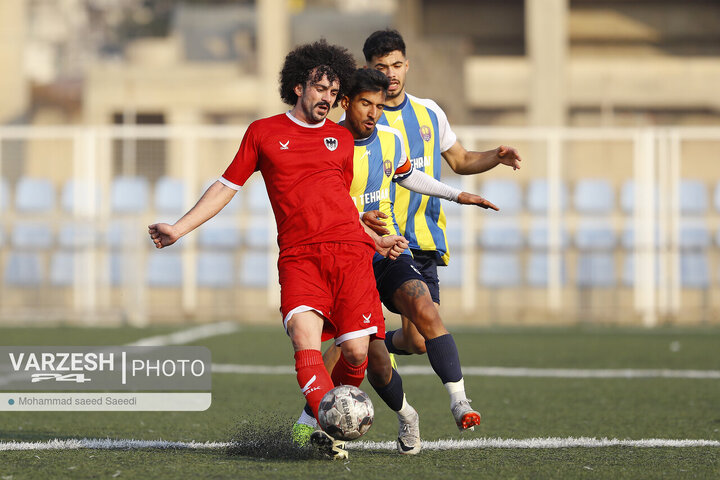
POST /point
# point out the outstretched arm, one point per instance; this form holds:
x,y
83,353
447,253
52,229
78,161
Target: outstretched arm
x,y
421,182
213,200
467,163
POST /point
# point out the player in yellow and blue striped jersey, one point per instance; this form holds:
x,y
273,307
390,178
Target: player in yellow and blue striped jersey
x,y
428,140
379,165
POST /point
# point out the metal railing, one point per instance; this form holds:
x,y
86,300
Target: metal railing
x,y
655,159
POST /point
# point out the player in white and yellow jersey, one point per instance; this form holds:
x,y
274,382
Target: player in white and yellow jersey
x,y
428,139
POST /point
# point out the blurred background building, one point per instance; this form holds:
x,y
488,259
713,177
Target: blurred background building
x,y
118,113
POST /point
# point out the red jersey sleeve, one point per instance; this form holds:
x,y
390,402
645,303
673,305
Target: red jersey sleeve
x,y
246,159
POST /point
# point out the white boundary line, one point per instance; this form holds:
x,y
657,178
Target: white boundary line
x,y
186,336
499,372
528,443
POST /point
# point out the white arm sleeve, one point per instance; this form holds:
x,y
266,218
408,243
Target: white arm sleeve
x,y
421,182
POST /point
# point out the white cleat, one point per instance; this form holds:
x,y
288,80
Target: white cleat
x,y
465,417
408,441
327,445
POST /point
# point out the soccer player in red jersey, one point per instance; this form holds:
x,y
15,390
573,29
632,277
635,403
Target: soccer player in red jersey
x,y
325,263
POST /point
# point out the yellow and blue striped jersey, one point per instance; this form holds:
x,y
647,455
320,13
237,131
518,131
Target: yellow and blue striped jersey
x,y
379,161
427,134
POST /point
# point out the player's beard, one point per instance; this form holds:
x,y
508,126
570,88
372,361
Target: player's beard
x,y
318,115
397,92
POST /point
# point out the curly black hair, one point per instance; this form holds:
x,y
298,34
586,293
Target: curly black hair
x,y
367,80
382,42
308,63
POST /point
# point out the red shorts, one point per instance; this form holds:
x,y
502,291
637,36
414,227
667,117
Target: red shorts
x,y
337,281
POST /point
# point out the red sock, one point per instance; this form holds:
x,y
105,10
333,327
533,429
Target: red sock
x,y
312,377
345,373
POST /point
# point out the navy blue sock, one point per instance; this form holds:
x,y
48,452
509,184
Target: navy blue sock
x,y
392,393
308,410
392,348
444,358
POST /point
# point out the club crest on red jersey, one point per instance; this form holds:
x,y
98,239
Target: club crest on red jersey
x,y
331,143
425,133
387,168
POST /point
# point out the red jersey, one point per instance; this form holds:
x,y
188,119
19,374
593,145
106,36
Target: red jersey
x,y
307,170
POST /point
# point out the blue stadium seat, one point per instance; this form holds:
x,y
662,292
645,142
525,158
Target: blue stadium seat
x,y
24,269
4,195
219,233
123,233
596,270
452,209
215,270
627,196
254,269
537,196
169,196
257,232
594,196
256,195
506,194
537,237
34,195
164,269
628,273
62,269
63,266
693,197
716,197
501,234
129,195
454,233
500,270
77,235
117,264
694,270
83,190
538,268
451,275
32,235
694,235
594,234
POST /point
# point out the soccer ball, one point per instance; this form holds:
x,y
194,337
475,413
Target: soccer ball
x,y
345,413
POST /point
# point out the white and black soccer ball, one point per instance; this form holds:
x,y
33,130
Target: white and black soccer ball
x,y
346,413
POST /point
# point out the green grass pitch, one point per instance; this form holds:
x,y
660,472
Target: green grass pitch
x,y
512,408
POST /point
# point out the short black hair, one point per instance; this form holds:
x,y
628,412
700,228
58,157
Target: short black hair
x,y
382,42
367,80
322,58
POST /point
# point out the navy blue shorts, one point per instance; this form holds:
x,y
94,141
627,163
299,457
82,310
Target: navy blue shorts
x,y
427,263
391,274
